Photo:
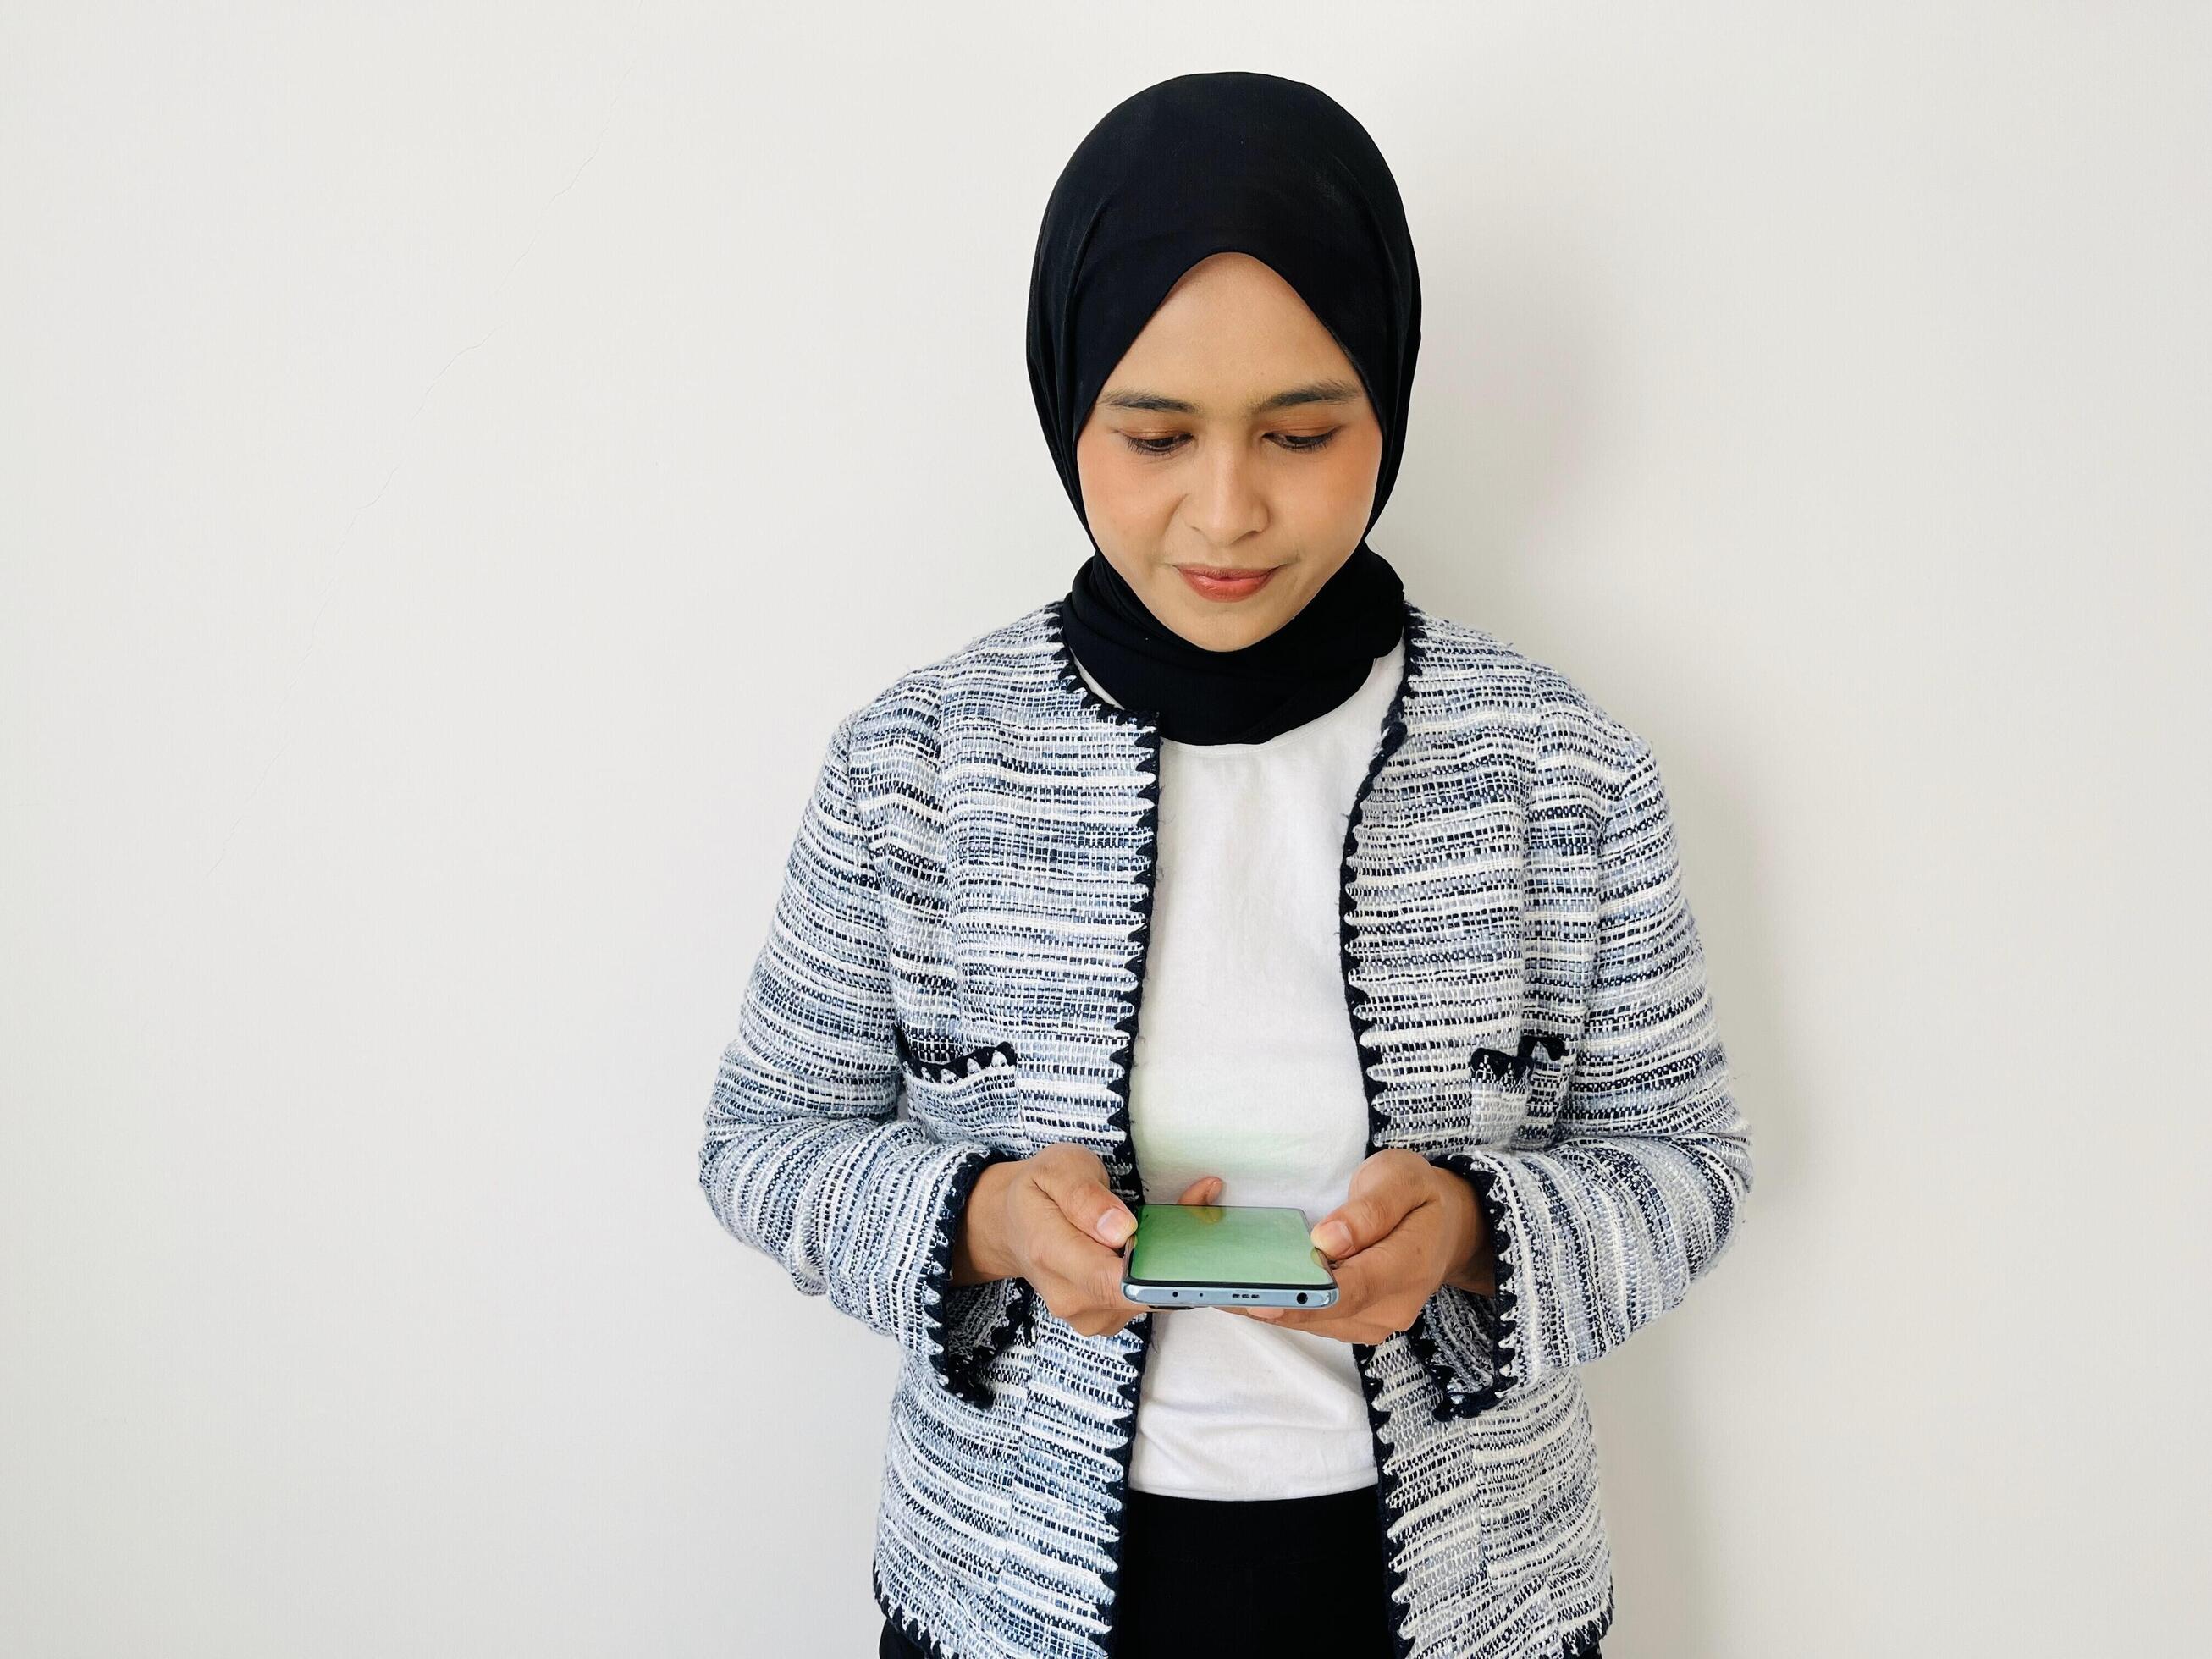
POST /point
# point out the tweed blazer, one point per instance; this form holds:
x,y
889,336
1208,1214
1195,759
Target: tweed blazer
x,y
952,977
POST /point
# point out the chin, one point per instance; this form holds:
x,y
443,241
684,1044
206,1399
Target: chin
x,y
1223,628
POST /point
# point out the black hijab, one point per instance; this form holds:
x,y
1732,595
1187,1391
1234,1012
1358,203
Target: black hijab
x,y
1196,165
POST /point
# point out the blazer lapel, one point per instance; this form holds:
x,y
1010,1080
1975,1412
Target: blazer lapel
x,y
1052,812
1432,932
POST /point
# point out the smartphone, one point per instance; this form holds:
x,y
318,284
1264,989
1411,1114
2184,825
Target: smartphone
x,y
1199,1256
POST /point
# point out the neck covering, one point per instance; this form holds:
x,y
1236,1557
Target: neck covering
x,y
1193,166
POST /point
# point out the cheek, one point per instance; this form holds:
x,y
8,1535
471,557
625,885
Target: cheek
x,y
1343,486
1117,487
1094,467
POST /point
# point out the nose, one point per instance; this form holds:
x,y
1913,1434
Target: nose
x,y
1226,504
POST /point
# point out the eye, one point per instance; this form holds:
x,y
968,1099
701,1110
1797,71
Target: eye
x,y
1295,443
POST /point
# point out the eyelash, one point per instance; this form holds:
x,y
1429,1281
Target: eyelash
x,y
1291,441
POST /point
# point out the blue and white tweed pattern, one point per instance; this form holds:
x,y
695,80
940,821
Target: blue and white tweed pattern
x,y
953,977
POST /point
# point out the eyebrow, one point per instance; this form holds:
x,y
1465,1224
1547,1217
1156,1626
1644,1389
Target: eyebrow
x,y
1314,392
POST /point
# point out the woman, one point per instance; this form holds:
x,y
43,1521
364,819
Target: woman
x,y
1401,908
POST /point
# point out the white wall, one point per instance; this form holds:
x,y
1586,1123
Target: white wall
x,y
459,462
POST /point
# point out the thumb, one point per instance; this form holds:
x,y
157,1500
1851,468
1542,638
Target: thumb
x,y
1384,1191
1352,1226
1090,1204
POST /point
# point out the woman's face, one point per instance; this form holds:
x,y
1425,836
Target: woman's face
x,y
1233,436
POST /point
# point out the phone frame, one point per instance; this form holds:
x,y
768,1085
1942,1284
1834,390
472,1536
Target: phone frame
x,y
1201,1293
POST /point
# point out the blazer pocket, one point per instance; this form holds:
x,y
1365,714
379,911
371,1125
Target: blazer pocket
x,y
966,1091
1539,1490
954,1459
1515,1097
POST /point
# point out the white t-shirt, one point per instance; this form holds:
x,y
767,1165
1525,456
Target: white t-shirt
x,y
1245,1068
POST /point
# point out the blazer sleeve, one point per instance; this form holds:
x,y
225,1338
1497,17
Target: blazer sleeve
x,y
1640,1188
804,1157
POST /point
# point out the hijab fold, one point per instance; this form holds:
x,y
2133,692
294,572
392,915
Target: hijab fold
x,y
1192,166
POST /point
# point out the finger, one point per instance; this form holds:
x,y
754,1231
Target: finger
x,y
1295,1319
1355,1279
1079,1277
1077,1187
1064,1250
1206,1189
1110,1290
1385,1270
1106,1285
1382,1200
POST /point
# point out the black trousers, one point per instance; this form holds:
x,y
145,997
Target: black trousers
x,y
1290,1577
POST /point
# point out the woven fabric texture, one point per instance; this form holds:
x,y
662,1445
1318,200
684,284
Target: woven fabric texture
x,y
953,975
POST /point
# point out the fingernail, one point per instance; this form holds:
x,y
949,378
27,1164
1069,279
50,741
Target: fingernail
x,y
1117,1226
1333,1236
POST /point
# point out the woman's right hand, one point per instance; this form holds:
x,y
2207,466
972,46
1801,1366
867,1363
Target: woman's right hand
x,y
1052,1219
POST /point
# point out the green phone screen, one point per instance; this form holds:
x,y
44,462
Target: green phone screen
x,y
1225,1244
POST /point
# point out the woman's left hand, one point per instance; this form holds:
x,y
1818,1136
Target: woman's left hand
x,y
1405,1228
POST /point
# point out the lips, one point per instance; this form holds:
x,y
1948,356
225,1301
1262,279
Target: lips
x,y
1225,584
